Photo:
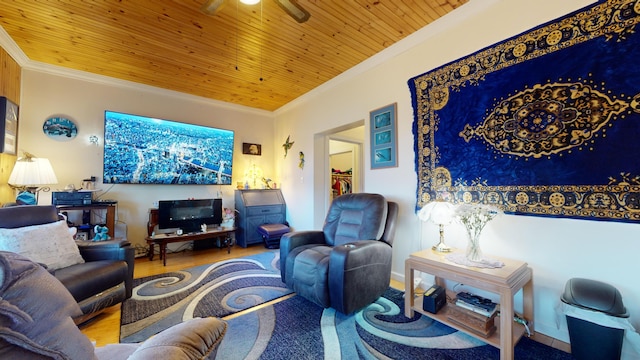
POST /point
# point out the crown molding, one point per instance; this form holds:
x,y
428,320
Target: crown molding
x,y
10,46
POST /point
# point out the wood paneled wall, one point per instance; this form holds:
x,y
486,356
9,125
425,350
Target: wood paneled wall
x,y
10,73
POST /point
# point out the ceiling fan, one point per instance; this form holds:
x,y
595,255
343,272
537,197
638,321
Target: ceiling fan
x,y
291,7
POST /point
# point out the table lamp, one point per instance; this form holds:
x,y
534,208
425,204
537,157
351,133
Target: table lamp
x,y
28,174
441,213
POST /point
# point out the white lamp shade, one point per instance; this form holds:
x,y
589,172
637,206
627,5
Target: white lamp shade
x,y
249,2
32,172
437,212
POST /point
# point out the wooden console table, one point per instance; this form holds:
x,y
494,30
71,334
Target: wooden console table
x,y
223,233
505,281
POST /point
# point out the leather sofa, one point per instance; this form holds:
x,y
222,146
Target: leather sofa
x,y
347,264
36,322
103,280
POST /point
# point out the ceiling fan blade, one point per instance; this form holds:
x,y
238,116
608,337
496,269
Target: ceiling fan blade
x,y
211,7
294,10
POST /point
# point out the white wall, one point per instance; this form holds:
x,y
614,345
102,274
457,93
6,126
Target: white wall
x,y
45,94
556,249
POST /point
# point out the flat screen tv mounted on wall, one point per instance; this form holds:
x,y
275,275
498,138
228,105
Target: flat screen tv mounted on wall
x,y
145,150
189,215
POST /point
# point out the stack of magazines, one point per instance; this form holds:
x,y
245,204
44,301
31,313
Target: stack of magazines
x,y
476,303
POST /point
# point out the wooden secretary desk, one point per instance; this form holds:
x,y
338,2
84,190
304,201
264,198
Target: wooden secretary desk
x,y
256,207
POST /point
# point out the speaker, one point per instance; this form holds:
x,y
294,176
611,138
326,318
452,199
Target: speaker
x,y
434,299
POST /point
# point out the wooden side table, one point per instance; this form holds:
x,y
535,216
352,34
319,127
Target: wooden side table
x,y
505,281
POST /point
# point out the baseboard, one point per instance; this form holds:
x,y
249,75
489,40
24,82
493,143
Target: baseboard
x,y
397,277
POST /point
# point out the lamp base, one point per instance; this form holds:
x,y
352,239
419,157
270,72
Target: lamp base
x,y
441,247
27,198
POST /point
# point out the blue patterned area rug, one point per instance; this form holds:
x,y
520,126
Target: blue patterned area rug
x,y
297,329
218,289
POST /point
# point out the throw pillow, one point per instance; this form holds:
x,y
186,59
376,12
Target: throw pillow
x,y
36,314
49,244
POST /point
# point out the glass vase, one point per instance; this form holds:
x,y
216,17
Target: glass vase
x,y
473,252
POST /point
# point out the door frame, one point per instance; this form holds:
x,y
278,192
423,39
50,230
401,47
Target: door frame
x,y
322,168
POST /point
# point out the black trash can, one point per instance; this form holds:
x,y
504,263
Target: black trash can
x,y
590,340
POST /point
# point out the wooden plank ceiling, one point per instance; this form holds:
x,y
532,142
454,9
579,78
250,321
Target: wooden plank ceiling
x,y
257,55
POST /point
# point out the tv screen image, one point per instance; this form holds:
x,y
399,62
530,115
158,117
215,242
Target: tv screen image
x,y
145,150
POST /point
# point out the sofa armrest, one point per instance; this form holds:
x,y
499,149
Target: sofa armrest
x,y
194,339
105,244
292,240
359,272
110,250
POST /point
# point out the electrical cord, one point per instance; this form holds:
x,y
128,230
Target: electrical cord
x,y
104,192
140,250
522,321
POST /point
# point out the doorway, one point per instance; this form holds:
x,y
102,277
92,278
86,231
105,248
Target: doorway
x,y
337,149
343,157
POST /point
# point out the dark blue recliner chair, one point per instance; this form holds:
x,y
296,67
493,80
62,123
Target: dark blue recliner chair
x,y
347,265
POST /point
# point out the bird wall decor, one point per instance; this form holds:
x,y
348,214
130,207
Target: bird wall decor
x,y
287,145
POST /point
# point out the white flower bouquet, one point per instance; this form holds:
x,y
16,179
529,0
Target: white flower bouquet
x,y
474,217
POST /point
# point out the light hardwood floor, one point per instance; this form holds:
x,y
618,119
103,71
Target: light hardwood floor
x,y
105,328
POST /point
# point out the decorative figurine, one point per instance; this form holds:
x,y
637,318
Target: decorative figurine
x,y
101,233
267,183
287,145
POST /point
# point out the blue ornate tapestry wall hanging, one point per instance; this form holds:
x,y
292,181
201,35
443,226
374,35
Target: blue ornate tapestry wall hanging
x,y
545,123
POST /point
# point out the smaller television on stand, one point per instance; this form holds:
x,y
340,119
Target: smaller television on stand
x,y
189,215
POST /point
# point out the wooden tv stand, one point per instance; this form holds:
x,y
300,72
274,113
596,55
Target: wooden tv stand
x,y
163,239
505,281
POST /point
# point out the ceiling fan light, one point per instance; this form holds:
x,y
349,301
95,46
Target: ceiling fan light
x,y
249,2
296,11
211,7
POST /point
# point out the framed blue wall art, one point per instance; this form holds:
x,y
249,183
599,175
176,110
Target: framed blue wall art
x,y
383,130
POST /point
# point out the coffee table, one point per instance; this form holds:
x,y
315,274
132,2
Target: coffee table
x,y
223,233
